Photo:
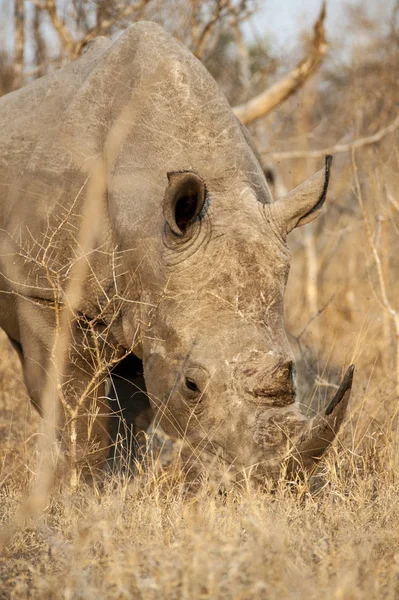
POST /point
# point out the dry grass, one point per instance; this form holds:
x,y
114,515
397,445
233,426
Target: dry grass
x,y
148,538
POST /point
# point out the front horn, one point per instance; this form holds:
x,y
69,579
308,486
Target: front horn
x,y
322,429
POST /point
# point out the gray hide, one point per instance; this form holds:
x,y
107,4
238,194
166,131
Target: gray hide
x,y
187,262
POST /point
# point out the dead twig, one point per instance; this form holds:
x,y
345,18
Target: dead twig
x,y
104,25
338,148
264,103
207,31
224,13
73,47
65,36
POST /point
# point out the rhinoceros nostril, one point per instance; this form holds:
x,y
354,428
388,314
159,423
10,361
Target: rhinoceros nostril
x,y
276,386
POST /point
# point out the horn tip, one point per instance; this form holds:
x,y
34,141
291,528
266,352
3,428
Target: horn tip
x,y
329,159
349,375
348,378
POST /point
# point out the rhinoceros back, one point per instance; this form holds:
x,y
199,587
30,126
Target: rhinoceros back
x,y
52,128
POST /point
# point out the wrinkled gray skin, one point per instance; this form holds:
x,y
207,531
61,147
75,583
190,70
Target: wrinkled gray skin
x,y
188,240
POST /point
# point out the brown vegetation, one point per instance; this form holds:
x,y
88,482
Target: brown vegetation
x,y
336,535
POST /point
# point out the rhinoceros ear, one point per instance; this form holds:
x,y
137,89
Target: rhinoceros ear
x,y
185,198
305,202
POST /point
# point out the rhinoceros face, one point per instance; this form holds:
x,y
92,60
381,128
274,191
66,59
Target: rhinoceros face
x,y
217,363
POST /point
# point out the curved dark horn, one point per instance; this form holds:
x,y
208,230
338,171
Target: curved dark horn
x,y
322,429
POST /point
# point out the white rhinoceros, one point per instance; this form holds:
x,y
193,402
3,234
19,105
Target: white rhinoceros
x,y
134,147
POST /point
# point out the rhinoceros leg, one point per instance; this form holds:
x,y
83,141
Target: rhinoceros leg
x,y
131,413
84,411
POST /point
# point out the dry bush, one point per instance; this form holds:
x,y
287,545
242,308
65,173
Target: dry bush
x,y
336,535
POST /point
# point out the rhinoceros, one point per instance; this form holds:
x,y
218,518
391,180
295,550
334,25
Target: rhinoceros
x,y
187,263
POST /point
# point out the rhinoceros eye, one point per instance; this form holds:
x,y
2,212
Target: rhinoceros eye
x,y
191,385
194,382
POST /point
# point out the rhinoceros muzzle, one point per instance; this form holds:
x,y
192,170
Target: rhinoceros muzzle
x,y
284,441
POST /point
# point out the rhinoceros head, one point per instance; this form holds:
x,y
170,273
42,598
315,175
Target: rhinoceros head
x,y
193,214
217,363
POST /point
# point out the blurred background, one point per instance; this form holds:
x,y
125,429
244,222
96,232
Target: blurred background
x,y
342,302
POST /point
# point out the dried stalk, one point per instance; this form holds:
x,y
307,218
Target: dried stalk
x,y
310,257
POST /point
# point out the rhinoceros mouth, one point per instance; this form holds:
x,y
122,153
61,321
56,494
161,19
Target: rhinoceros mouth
x,y
292,448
